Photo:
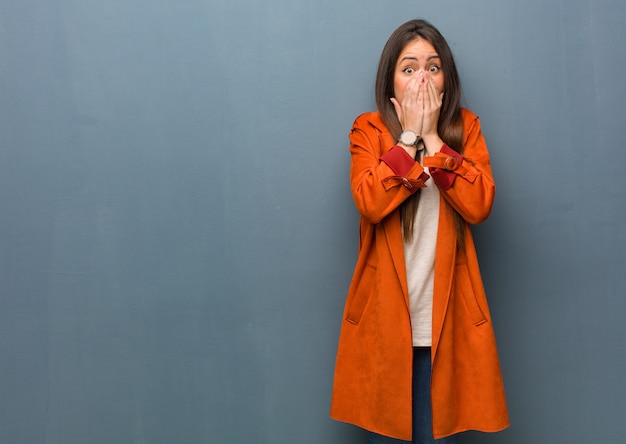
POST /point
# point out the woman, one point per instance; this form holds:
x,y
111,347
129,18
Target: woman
x,y
417,330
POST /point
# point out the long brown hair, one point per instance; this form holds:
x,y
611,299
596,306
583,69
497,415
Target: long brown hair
x,y
450,125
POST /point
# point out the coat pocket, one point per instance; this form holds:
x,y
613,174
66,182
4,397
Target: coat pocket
x,y
364,290
466,289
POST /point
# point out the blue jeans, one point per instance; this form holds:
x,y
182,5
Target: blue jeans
x,y
422,411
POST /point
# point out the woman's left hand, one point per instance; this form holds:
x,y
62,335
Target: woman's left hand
x,y
432,108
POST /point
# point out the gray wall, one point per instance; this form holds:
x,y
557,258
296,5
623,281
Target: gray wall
x,y
177,233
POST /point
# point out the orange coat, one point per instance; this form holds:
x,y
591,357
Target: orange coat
x,y
372,387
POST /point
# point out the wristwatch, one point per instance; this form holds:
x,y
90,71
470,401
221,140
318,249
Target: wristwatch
x,y
408,137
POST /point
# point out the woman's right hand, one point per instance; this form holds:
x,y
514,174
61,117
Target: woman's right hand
x,y
411,111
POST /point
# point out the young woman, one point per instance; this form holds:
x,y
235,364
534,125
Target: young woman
x,y
417,357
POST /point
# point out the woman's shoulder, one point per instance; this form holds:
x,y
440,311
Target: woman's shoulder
x,y
471,122
468,115
370,120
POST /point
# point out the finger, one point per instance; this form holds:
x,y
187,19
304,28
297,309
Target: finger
x,y
421,91
411,91
429,103
422,97
420,109
433,96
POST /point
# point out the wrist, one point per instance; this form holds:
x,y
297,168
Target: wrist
x,y
411,150
433,143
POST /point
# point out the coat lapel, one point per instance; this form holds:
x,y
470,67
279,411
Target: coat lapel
x,y
445,258
393,235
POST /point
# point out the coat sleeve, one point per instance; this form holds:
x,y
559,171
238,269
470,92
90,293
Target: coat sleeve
x,y
466,181
381,177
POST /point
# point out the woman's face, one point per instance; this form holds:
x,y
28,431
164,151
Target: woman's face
x,y
417,57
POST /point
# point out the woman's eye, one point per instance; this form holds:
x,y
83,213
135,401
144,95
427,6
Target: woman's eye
x,y
409,70
434,68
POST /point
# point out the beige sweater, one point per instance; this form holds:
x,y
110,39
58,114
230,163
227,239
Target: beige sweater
x,y
419,257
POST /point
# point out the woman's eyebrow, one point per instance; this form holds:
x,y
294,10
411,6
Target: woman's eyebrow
x,y
429,58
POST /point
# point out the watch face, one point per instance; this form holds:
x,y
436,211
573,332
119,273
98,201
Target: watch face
x,y
408,137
